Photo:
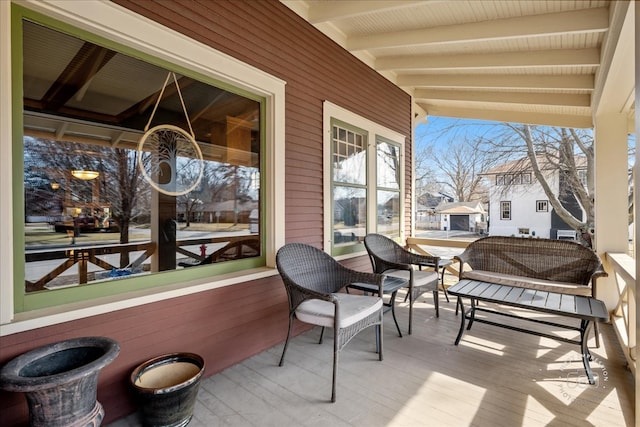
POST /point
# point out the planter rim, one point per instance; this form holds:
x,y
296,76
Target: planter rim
x,y
11,380
163,360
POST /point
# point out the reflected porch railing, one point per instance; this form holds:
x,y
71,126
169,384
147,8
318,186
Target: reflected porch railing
x,y
82,256
54,263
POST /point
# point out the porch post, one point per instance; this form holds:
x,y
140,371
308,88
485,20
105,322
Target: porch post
x,y
611,193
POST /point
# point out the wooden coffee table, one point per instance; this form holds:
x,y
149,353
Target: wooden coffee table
x,y
585,308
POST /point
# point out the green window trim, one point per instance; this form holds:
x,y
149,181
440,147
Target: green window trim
x,y
38,300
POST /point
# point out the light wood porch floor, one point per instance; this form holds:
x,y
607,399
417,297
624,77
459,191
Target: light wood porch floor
x,y
495,377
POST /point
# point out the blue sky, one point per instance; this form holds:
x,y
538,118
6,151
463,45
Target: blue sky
x,y
441,130
438,131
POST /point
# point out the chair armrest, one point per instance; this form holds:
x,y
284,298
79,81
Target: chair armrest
x,y
354,276
462,260
424,260
301,294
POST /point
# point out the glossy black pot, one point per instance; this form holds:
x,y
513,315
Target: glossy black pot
x,y
60,381
167,388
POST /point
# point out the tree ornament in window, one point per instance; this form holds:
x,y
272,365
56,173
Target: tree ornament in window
x,y
168,156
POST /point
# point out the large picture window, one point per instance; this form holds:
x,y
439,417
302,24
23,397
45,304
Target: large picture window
x,y
91,217
365,184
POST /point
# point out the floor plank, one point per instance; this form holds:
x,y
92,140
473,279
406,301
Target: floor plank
x,y
494,377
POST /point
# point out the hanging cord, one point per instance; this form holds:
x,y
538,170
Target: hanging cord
x,y
184,108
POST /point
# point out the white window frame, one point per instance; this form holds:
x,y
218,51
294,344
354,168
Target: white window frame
x,y
502,217
374,129
540,203
116,23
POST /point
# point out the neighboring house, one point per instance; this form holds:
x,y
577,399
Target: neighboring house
x,y
462,216
227,211
426,215
518,205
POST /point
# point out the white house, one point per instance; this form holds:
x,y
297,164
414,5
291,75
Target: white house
x,y
518,205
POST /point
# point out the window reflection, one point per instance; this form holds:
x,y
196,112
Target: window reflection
x,y
86,108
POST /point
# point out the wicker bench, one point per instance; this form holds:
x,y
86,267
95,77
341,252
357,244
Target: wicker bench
x,y
558,266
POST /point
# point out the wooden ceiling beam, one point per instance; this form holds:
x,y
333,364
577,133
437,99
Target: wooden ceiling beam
x,y
477,81
88,61
534,59
501,115
566,100
572,22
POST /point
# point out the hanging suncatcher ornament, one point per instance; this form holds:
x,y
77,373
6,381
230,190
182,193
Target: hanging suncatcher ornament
x,y
168,156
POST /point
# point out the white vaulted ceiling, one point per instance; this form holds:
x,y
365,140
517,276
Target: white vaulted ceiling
x,y
540,62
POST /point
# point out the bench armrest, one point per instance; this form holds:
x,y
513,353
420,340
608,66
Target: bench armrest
x,y
598,272
462,260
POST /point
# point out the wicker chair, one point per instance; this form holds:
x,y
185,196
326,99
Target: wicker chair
x,y
313,280
390,258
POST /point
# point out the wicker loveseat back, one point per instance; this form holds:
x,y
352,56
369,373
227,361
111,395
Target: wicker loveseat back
x,y
544,260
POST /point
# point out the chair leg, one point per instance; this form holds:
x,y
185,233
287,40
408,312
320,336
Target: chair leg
x,y
446,294
286,343
336,351
380,343
436,302
321,335
596,331
411,298
392,303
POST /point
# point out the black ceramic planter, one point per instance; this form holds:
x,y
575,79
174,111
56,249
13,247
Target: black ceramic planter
x,y
60,381
167,388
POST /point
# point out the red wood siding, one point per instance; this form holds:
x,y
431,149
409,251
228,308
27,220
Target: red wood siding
x,y
230,324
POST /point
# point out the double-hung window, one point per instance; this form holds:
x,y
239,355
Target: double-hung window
x,y
364,188
505,210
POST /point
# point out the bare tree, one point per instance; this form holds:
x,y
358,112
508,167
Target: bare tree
x,y
559,149
425,176
190,204
459,165
124,190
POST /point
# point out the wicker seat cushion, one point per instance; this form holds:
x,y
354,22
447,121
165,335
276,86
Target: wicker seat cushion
x,y
527,282
353,308
421,279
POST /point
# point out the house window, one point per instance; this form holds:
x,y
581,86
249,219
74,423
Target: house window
x,y
349,188
505,210
365,185
582,175
87,235
513,179
388,188
542,206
